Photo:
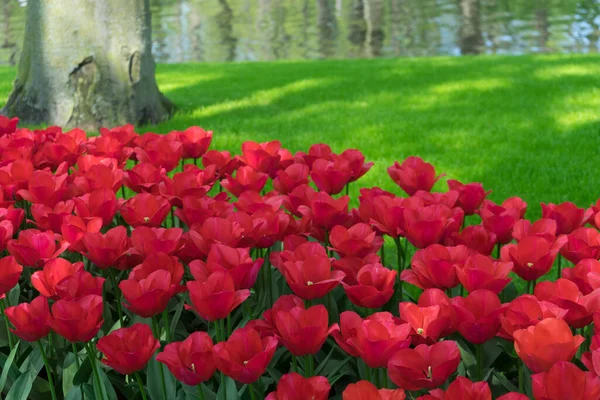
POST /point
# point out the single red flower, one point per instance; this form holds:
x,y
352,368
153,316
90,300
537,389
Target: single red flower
x,y
221,160
543,227
475,237
54,271
481,272
428,225
159,262
309,273
447,199
246,179
566,295
352,265
191,361
128,350
147,241
195,141
161,151
262,157
499,220
238,262
99,176
525,311
149,296
463,389
543,345
8,125
358,241
31,320
362,390
329,176
325,211
302,331
585,274
77,320
436,297
74,228
51,219
193,181
6,233
356,163
591,359
46,188
195,211
565,381
78,285
105,249
290,178
532,257
10,272
374,286
145,177
216,230
145,209
582,243
428,323
244,357
14,215
424,367
266,326
33,248
214,297
413,174
15,176
567,215
435,266
470,195
375,339
478,315
294,386
100,203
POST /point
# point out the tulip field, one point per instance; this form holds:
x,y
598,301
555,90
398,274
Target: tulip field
x,y
151,267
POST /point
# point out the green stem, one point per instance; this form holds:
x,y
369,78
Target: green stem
x,y
559,270
521,378
166,322
498,251
117,293
347,189
141,385
369,374
48,371
383,253
400,259
200,392
224,334
123,192
294,364
3,307
269,278
156,327
252,392
92,357
382,378
310,362
479,362
78,362
229,328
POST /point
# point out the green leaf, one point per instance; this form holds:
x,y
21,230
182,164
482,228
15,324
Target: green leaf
x,y
228,391
74,393
22,387
69,371
191,392
154,381
7,366
175,320
324,362
108,387
491,351
13,295
506,384
33,363
88,391
84,373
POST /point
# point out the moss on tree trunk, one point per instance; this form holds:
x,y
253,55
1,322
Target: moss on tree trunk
x,y
87,63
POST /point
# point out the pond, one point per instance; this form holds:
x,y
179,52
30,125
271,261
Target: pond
x,y
249,30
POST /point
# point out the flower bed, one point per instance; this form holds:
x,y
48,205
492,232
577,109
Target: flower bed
x,y
148,266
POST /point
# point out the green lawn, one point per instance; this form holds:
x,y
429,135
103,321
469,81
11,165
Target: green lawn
x,y
526,126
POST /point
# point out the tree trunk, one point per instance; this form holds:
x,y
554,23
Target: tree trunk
x,y
87,63
470,40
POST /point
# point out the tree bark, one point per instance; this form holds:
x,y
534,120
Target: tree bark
x,y
87,63
470,39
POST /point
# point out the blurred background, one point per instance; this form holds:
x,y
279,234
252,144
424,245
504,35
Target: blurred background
x,y
260,30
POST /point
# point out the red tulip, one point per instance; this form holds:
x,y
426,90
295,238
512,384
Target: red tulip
x,y
15,176
31,320
464,389
8,125
526,311
191,361
470,195
436,297
358,241
546,343
145,209
413,174
478,315
475,237
214,297
78,285
362,390
582,243
513,396
145,177
128,350
428,225
285,303
6,233
329,176
244,357
447,199
428,323
375,339
294,386
586,275
77,320
302,331
591,359
14,215
161,151
10,272
33,247
262,157
195,211
325,211
195,141
309,273
51,219
193,181
238,262
544,227
46,188
424,367
566,295
101,203
565,381
481,272
290,178
100,176
374,286
150,296
567,215
105,249
435,266
246,179
148,241
74,229
532,257
351,266
499,220
54,271
159,262
221,160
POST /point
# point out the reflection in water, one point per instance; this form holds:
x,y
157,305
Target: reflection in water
x,y
238,30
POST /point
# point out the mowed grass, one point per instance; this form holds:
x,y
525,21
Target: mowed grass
x,y
525,126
